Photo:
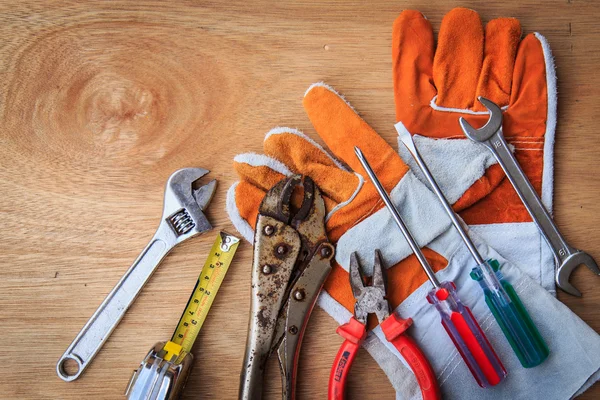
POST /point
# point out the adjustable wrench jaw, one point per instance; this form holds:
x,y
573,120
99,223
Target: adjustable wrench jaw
x,y
567,265
182,211
490,128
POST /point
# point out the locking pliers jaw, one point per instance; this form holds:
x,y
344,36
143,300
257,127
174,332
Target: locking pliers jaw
x,y
291,261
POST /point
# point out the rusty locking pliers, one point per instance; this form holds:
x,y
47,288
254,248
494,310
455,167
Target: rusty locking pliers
x,y
291,261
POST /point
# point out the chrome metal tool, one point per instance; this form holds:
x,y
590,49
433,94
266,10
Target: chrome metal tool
x,y
182,219
163,373
567,258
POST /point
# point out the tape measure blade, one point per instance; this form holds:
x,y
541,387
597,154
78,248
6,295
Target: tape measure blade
x,y
209,281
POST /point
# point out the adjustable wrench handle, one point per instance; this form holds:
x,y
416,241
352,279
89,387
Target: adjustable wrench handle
x,y
498,146
108,315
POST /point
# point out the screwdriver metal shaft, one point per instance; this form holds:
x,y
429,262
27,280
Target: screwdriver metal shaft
x,y
399,221
457,319
500,296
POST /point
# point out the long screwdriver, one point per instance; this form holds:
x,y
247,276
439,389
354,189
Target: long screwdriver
x,y
457,319
500,296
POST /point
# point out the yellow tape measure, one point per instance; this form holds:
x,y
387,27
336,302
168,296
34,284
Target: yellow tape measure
x,y
209,281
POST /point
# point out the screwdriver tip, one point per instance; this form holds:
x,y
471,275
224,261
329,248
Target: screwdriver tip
x,y
405,136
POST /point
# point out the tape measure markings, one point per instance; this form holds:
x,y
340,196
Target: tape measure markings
x,y
208,283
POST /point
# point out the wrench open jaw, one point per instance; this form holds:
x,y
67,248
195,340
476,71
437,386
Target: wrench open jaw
x,y
487,131
567,258
567,265
182,219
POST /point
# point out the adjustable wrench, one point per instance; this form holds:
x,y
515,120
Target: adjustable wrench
x,y
182,219
567,258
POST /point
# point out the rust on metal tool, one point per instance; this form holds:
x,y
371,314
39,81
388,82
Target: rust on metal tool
x,y
292,258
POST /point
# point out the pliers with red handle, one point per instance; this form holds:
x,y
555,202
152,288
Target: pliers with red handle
x,y
371,300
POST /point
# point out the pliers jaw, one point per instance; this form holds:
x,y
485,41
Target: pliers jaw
x,y
292,258
369,299
277,201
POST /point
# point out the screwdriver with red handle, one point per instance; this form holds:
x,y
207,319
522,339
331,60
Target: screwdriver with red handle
x,y
500,296
457,319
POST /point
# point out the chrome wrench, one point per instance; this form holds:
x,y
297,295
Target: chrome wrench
x,y
182,219
567,258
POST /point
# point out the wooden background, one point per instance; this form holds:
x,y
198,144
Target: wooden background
x,y
101,101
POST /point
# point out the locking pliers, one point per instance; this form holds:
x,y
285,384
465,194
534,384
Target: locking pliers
x,y
291,261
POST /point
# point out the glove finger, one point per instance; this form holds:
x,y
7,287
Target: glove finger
x,y
305,156
531,113
502,37
532,110
342,129
533,93
260,170
458,58
412,59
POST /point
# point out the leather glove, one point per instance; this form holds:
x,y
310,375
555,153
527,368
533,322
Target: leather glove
x,y
349,198
433,87
357,222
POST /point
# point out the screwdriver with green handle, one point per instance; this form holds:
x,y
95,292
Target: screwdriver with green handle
x,y
500,296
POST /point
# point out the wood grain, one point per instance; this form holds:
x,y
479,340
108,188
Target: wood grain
x,y
101,101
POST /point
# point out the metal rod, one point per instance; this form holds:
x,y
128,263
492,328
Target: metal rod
x,y
396,215
410,145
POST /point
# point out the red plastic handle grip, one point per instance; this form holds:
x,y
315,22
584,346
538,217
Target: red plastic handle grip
x,y
340,368
469,339
354,332
393,328
474,346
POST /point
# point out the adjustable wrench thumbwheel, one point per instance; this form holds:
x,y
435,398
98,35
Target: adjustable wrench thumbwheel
x,y
567,258
183,205
182,219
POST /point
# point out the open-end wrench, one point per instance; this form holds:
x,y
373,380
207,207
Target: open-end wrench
x,y
567,258
182,219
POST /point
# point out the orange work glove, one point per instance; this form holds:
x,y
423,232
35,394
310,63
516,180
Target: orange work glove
x,y
357,222
434,87
349,197
353,222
